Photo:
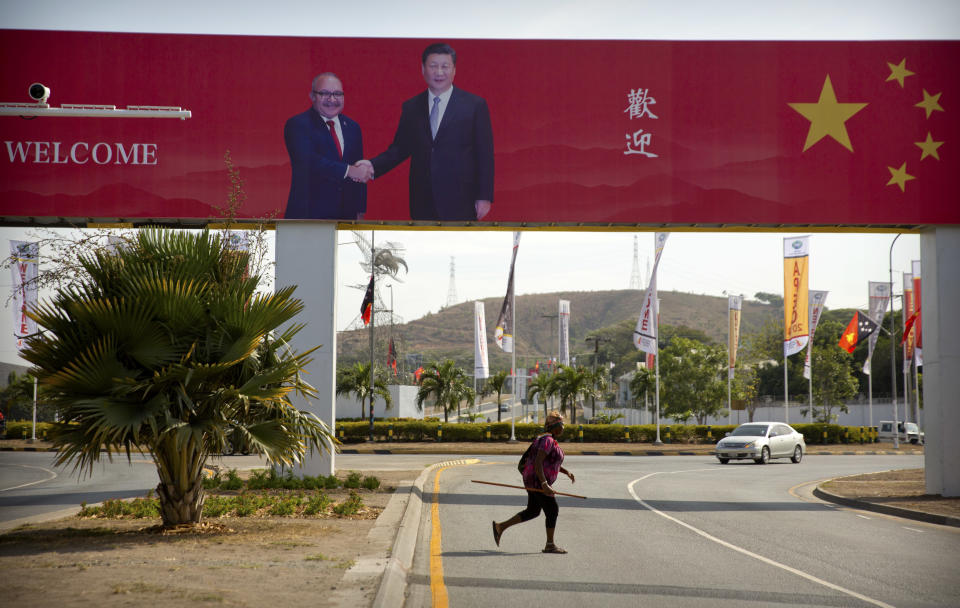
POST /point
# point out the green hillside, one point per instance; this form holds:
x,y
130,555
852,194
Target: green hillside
x,y
449,333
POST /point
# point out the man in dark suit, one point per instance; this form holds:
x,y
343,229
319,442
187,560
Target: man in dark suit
x,y
446,133
323,145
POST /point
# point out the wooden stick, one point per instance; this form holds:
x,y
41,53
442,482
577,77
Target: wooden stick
x,y
506,485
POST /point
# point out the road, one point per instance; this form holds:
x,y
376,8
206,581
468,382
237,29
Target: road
x,y
679,531
665,531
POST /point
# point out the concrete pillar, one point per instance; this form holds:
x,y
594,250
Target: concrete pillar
x,y
306,256
940,272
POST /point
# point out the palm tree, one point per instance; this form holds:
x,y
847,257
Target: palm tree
x,y
355,380
540,385
448,384
166,346
599,381
496,383
570,383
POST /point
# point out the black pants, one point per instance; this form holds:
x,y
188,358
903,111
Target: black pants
x,y
536,502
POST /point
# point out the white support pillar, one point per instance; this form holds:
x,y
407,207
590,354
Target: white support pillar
x,y
306,256
940,257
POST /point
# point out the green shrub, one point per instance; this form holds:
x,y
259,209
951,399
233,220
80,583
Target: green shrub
x,y
370,483
352,481
212,482
233,481
318,503
350,506
218,506
285,506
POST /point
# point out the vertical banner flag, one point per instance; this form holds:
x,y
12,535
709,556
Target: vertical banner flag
x,y
818,300
564,317
917,306
734,304
878,292
392,357
645,334
796,257
481,365
504,330
366,307
909,310
25,269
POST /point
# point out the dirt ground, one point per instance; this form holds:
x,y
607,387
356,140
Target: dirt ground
x,y
249,562
904,489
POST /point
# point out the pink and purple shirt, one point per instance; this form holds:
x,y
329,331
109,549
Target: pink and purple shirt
x,y
551,463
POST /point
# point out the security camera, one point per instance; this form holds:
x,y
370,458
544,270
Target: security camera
x,y
39,93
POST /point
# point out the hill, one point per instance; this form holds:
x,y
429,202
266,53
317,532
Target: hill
x,y
449,332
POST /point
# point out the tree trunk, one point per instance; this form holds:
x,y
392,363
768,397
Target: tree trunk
x,y
177,508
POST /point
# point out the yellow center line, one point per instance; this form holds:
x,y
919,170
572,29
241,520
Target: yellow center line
x,y
438,590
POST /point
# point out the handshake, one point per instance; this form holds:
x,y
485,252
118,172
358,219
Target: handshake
x,y
361,171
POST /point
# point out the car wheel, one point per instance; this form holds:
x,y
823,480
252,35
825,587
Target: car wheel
x,y
723,460
797,454
764,456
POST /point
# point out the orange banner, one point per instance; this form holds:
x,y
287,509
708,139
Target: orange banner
x,y
796,319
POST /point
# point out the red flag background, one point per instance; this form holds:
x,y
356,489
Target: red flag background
x,y
683,132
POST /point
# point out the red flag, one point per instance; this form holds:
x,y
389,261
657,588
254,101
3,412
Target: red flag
x,y
366,307
418,373
392,357
908,326
859,328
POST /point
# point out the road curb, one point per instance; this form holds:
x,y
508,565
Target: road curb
x,y
572,451
393,584
865,505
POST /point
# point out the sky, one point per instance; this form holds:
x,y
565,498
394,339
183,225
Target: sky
x,y
692,262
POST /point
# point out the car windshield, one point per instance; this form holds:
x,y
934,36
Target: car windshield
x,y
750,430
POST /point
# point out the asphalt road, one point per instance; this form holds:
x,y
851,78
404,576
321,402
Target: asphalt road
x,y
665,531
31,486
680,531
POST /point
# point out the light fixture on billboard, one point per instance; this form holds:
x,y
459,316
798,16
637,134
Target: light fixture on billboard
x,y
40,94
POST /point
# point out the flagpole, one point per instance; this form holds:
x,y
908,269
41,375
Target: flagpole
x,y
916,391
656,359
870,395
786,393
373,307
513,355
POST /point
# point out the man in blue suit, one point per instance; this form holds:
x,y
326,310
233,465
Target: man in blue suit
x,y
446,133
324,145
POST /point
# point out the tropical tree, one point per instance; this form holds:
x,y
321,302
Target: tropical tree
x,y
496,383
643,382
355,380
598,380
569,383
540,385
448,384
165,346
691,384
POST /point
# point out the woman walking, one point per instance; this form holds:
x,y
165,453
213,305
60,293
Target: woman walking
x,y
540,472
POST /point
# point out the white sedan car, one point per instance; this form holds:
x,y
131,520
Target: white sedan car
x,y
761,441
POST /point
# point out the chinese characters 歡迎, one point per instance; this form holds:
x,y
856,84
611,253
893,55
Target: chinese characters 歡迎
x,y
639,107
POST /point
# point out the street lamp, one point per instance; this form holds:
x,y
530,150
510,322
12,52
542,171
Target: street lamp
x,y
893,355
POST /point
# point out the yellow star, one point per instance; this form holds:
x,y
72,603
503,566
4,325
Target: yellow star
x,y
899,176
827,117
899,72
930,103
929,147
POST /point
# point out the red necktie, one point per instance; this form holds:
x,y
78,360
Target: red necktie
x,y
336,140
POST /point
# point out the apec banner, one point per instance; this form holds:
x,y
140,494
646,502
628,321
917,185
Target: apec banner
x,y
796,260
25,257
648,132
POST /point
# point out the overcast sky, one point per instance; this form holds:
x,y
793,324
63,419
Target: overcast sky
x,y
702,263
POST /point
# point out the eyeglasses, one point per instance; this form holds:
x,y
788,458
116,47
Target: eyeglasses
x,y
329,94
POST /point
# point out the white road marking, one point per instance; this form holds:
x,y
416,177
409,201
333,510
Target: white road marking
x,y
913,529
53,475
766,560
862,516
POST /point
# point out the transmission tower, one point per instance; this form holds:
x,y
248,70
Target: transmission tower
x,y
635,272
452,291
387,265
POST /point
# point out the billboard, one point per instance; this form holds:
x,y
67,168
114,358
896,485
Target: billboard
x,y
598,133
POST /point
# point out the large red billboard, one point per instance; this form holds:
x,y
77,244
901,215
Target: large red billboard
x,y
580,132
